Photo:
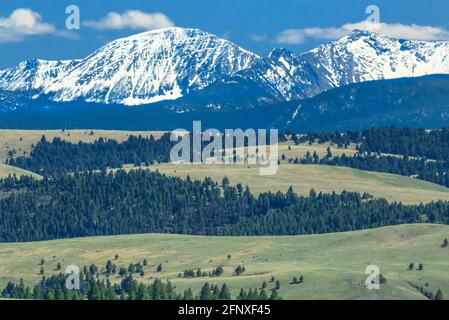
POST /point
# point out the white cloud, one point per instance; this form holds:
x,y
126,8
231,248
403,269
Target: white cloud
x,y
23,23
395,30
133,19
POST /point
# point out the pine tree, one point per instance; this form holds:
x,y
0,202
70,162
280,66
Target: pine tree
x,y
225,293
274,295
205,293
278,285
263,295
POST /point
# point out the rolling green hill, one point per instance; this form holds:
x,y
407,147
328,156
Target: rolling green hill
x,y
333,265
321,178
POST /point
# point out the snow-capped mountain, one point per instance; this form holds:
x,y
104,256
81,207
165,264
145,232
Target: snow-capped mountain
x,y
364,56
283,75
360,56
158,65
31,75
171,63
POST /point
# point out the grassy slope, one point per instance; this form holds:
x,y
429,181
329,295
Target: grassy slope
x,y
333,265
6,170
321,178
22,140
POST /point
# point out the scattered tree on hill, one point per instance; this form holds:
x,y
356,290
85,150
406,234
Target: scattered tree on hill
x,y
239,270
218,271
122,272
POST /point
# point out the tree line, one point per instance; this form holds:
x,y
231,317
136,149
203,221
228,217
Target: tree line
x,y
407,141
101,203
60,156
93,287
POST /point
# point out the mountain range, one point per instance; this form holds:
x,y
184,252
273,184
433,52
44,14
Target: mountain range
x,y
188,70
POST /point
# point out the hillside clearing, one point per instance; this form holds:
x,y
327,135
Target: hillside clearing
x,y
6,170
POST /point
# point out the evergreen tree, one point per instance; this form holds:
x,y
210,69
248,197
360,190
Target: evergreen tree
x,y
278,285
439,295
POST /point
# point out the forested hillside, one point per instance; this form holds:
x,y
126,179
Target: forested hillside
x,y
423,154
60,156
87,204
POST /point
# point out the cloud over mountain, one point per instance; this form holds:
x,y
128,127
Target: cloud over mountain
x,y
395,30
22,23
131,19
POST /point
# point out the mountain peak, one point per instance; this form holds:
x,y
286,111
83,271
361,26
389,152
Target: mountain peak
x,y
167,32
277,53
359,33
147,67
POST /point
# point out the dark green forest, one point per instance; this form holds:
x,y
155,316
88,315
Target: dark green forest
x,y
423,154
60,156
429,144
94,204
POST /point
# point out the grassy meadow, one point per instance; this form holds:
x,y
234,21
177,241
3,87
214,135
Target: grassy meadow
x,y
321,178
333,265
6,170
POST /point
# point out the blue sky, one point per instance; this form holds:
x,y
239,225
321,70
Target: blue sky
x,y
36,28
